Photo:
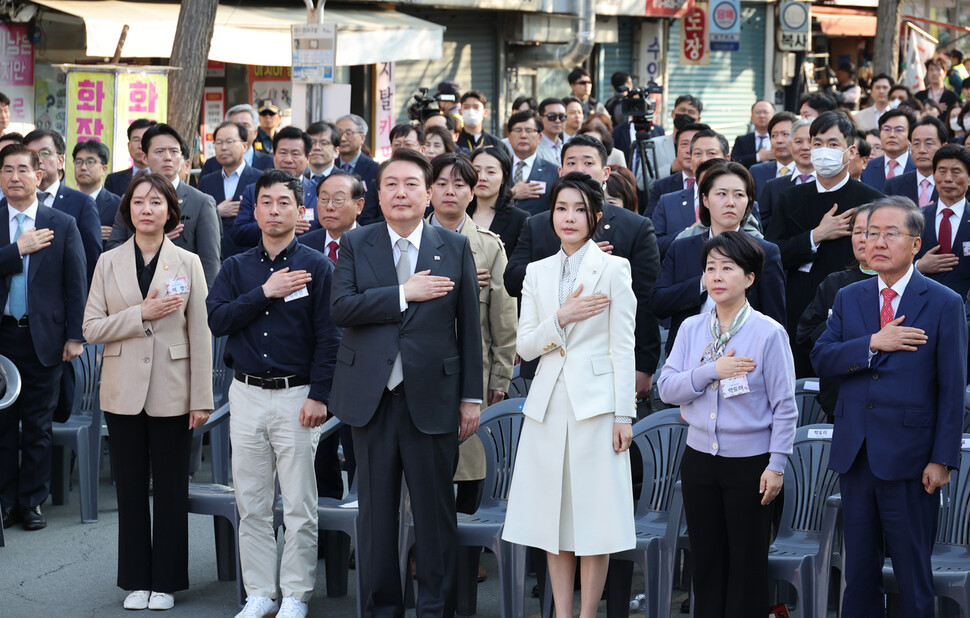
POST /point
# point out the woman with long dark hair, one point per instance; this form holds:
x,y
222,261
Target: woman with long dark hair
x,y
492,208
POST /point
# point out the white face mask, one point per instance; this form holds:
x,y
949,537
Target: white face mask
x,y
472,117
894,103
955,123
966,123
828,161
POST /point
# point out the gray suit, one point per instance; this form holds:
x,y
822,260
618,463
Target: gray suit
x,y
202,234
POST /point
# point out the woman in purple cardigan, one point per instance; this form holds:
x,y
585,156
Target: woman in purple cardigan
x,y
732,374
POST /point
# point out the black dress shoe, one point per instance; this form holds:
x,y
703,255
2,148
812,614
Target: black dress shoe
x,y
32,518
10,516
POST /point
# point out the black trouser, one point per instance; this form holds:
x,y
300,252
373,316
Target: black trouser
x,y
730,532
140,445
326,465
389,444
25,482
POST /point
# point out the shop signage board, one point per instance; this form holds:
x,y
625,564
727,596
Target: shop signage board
x,y
669,8
724,22
694,49
795,26
314,50
213,108
384,110
17,72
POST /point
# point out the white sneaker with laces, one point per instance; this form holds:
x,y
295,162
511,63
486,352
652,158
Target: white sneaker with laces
x,y
257,607
161,601
292,608
137,599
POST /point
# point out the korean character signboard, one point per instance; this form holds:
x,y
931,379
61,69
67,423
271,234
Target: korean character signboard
x,y
140,95
90,111
725,25
384,110
694,49
17,72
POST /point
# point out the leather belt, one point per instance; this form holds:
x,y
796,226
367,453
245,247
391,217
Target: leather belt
x,y
271,383
9,320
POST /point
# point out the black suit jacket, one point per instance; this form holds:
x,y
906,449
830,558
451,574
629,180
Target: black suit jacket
x,y
508,223
907,185
211,185
261,161
957,279
632,237
745,150
668,184
769,196
440,340
947,99
543,170
366,170
107,203
117,182
56,286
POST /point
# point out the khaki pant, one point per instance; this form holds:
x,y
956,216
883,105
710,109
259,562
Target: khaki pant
x,y
267,439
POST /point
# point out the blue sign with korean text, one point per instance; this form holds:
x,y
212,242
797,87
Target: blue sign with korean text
x,y
725,25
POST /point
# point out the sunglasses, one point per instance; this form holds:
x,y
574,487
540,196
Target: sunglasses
x,y
554,117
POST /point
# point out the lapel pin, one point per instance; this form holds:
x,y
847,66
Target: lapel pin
x,y
437,258
606,227
165,267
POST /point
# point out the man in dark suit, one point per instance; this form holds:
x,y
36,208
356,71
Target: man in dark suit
x,y
779,132
353,131
247,117
680,180
801,150
898,343
289,155
199,230
944,255
90,164
322,158
532,176
408,375
50,147
227,185
810,223
43,290
117,182
755,147
894,129
925,137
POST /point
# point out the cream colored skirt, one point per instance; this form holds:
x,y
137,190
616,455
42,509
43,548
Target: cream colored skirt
x,y
570,490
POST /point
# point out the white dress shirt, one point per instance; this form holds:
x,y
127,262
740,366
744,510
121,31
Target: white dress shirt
x,y
901,159
97,192
230,182
415,239
955,219
51,192
527,168
330,239
29,221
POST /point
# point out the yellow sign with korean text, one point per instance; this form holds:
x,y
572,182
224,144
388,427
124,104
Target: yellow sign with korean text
x,y
90,112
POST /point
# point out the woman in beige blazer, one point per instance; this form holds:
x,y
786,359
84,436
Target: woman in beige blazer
x,y
571,492
147,306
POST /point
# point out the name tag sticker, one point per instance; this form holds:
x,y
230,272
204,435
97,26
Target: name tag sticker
x,y
541,185
308,214
806,267
966,249
825,434
732,387
179,285
966,443
296,295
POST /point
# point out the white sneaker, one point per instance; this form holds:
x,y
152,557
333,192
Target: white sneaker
x,y
161,600
137,599
257,607
292,608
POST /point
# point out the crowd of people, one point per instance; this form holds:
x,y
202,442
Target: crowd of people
x,y
399,296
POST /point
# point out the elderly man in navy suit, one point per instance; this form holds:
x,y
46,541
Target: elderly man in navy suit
x,y
894,129
42,291
532,175
245,115
90,164
680,180
925,138
898,343
353,132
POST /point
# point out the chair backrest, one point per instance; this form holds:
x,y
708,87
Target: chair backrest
x,y
499,431
221,375
966,411
810,411
661,439
13,382
953,525
87,381
808,480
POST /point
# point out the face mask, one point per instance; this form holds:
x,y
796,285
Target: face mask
x,y
894,103
681,121
472,117
828,161
955,123
966,123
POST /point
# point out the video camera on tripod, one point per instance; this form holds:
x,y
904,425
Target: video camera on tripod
x,y
641,106
425,106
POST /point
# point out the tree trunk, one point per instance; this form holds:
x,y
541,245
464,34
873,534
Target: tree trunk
x,y
190,52
886,46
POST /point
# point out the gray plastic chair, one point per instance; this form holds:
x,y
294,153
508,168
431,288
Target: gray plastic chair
x,y
661,439
810,411
966,411
14,384
802,552
221,380
82,434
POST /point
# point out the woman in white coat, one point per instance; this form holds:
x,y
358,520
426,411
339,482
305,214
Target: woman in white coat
x,y
571,488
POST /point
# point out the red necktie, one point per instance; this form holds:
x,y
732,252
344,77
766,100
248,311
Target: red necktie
x,y
946,232
893,164
886,315
332,251
688,183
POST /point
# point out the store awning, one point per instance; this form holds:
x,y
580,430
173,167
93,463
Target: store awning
x,y
254,35
844,21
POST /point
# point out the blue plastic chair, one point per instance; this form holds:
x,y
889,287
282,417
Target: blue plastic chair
x,y
82,434
810,411
661,439
802,552
12,377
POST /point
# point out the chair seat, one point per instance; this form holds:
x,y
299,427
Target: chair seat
x,y
212,499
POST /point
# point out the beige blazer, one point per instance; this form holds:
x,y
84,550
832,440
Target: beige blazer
x,y
596,355
162,366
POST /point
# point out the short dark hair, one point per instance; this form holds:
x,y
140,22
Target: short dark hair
x,y
140,123
740,248
37,134
503,201
706,165
915,222
931,121
956,53
292,132
619,184
586,140
274,176
728,168
322,126
407,155
896,113
517,103
885,76
462,168
600,131
817,101
160,128
446,138
694,126
474,94
243,133
827,120
864,148
95,147
909,93
570,99
162,185
952,151
12,136
547,102
933,62
577,74
721,140
4,99
523,116
690,100
591,191
356,185
11,150
404,129
781,117
846,67
619,79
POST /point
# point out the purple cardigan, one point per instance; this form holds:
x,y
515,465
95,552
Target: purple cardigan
x,y
761,421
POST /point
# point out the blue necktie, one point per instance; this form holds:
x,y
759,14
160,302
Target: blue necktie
x,y
348,168
18,283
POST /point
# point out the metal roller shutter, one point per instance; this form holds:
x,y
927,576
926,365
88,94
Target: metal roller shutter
x,y
615,57
733,81
469,47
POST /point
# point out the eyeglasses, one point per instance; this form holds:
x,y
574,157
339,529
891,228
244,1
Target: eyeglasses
x,y
888,236
584,82
44,154
349,132
227,142
322,143
323,200
521,131
9,170
889,129
554,117
86,162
